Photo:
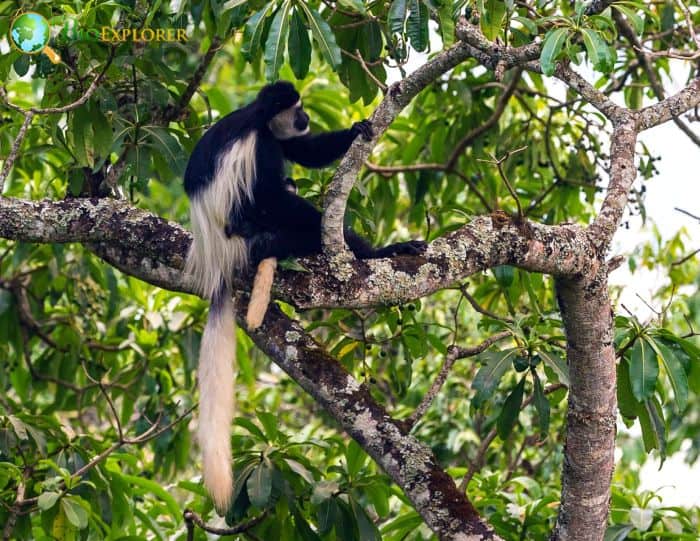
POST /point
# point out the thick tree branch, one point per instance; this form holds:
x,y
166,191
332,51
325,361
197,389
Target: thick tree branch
x,y
623,173
590,437
671,107
146,246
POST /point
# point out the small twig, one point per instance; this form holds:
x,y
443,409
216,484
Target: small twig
x,y
384,88
693,216
686,258
498,162
193,518
14,151
481,309
453,353
15,510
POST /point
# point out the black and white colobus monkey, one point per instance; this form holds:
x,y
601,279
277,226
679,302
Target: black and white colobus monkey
x,y
243,210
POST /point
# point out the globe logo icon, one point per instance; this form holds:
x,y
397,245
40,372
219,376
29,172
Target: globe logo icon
x,y
30,33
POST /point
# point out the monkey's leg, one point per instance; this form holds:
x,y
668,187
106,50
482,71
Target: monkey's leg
x,y
261,293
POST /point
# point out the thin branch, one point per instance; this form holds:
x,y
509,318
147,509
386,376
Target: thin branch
x,y
453,353
369,73
14,151
193,518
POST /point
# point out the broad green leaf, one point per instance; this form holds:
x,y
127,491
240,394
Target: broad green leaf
x,y
674,370
644,369
356,5
75,513
259,485
541,405
447,24
355,458
653,426
47,500
155,488
492,15
557,364
252,35
276,38
628,405
635,20
397,16
598,51
230,4
488,376
417,25
551,47
618,532
169,148
299,46
269,423
368,531
326,515
323,35
511,410
505,274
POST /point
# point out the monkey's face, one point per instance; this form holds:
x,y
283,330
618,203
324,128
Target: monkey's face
x,y
290,122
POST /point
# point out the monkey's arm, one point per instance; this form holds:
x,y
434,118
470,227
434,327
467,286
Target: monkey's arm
x,y
321,149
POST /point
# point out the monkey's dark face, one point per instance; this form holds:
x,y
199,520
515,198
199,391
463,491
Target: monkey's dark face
x,y
291,122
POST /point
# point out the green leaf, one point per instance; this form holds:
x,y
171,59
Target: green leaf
x,y
635,20
651,419
299,46
102,130
598,51
259,485
557,364
169,148
551,47
447,24
397,16
356,5
674,370
618,532
326,515
274,46
75,513
505,274
368,531
541,405
488,376
146,485
417,25
47,500
323,35
492,14
253,32
628,405
511,410
81,128
355,458
21,65
644,369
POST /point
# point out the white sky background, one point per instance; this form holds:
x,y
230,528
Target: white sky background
x,y
676,185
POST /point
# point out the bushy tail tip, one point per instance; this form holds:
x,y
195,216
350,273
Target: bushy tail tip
x,y
217,365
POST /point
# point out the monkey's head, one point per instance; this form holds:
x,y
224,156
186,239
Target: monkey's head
x,y
283,111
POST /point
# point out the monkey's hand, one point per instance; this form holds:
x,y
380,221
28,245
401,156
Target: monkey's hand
x,y
412,247
363,128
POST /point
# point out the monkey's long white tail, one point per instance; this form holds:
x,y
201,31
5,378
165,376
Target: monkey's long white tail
x,y
217,366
